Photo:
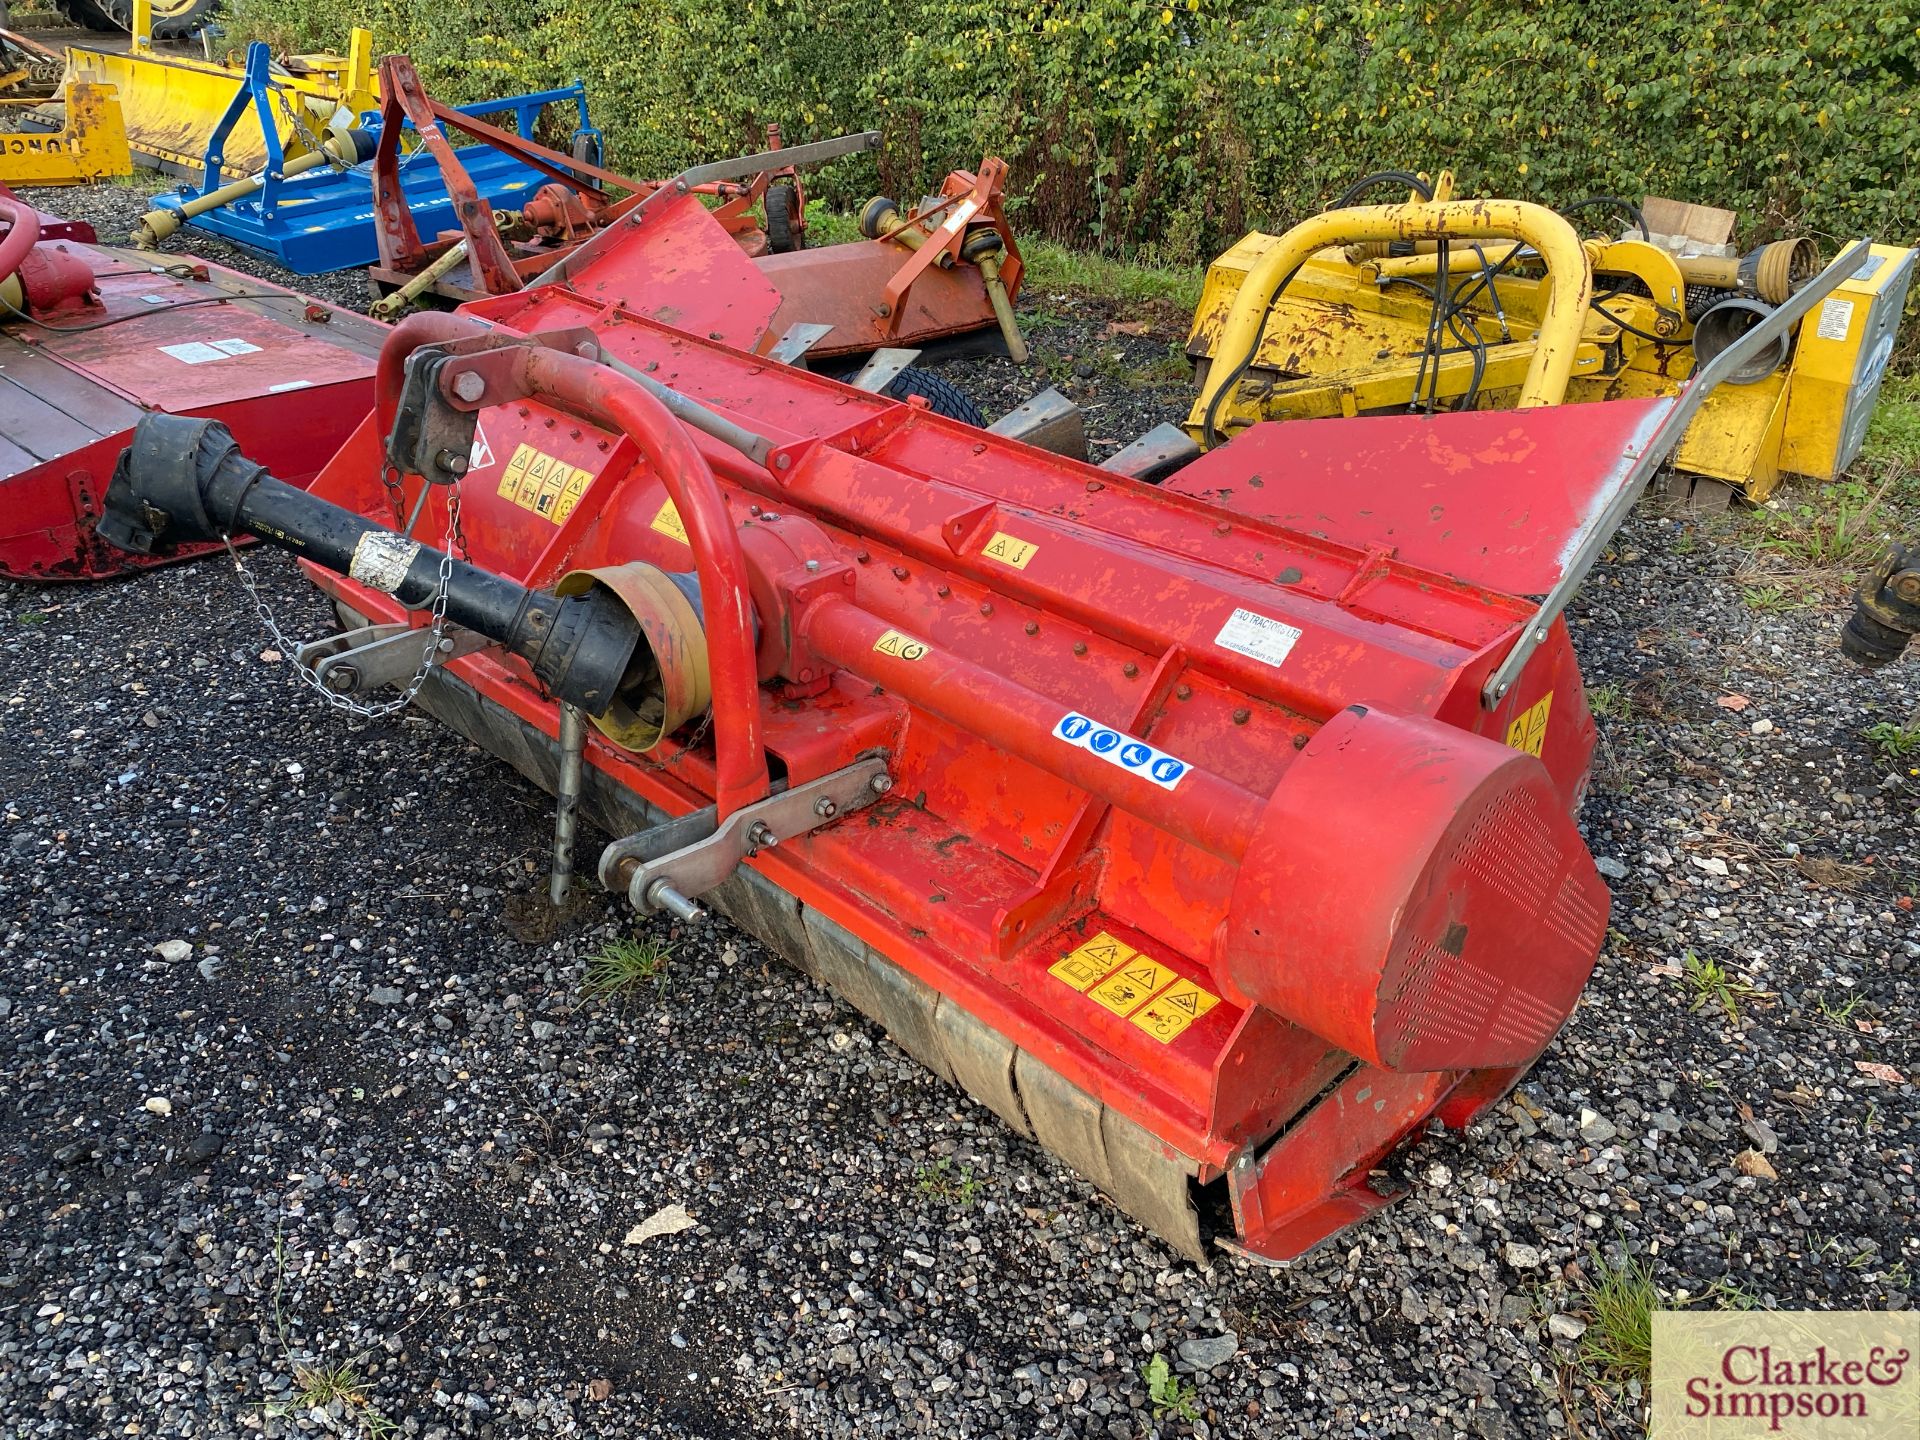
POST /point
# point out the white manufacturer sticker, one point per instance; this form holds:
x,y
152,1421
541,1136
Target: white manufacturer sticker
x,y
1835,317
194,352
1136,756
201,352
380,560
481,455
1258,637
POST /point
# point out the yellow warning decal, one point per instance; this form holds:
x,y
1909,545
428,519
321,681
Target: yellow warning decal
x,y
1136,986
1528,731
1174,1009
667,522
1122,991
537,481
901,647
1010,550
1091,962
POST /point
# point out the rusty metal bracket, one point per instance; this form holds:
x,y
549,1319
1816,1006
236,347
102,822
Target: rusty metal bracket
x,y
355,662
668,866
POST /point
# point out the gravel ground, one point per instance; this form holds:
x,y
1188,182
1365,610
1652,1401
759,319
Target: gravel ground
x,y
287,1102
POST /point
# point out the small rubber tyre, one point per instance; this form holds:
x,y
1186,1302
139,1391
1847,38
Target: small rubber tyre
x,y
784,232
943,397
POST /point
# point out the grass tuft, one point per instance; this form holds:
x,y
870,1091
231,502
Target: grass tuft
x,y
1618,1344
318,1387
624,964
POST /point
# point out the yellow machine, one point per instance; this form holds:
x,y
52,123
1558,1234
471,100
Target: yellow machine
x,y
90,145
170,103
1360,311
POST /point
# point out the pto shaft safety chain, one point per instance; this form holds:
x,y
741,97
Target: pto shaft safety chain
x,y
436,631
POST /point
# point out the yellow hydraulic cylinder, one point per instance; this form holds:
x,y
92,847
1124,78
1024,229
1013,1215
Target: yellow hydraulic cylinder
x,y
895,226
1556,241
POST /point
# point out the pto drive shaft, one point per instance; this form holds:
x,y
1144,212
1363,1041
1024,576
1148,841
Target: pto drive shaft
x,y
186,480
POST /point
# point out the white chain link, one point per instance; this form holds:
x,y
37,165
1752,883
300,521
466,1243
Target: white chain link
x,y
436,632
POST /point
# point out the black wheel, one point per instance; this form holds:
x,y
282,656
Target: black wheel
x,y
943,397
89,14
172,19
784,233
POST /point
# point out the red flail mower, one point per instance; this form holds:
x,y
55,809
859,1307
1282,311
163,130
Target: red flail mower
x,y
1218,835
93,337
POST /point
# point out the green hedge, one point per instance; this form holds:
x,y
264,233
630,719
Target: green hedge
x,y
1162,130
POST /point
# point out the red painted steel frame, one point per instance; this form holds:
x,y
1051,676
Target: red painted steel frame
x,y
294,381
1040,587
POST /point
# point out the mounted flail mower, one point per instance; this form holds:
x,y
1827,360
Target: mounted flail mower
x,y
1461,305
1218,855
93,337
949,268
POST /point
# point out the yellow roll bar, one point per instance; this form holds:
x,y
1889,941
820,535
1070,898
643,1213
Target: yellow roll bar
x,y
1556,241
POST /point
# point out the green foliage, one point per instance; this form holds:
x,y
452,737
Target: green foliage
x,y
1892,742
940,1181
1618,1343
1710,981
1160,131
624,964
1167,1393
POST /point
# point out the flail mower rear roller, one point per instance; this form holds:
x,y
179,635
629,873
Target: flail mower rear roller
x,y
1217,856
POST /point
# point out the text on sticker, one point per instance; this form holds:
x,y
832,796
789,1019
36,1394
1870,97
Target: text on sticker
x,y
1258,637
1010,550
901,647
1134,986
1134,756
543,484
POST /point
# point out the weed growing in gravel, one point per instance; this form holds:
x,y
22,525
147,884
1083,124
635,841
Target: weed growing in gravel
x,y
1610,701
939,1181
1770,599
1838,1017
31,617
1832,529
318,1387
1710,980
1618,1344
1892,742
1724,1294
621,965
1167,1393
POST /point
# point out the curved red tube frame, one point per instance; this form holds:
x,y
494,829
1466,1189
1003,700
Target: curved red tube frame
x,y
22,235
598,393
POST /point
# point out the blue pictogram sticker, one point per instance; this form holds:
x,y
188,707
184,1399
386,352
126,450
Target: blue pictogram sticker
x,y
1134,756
